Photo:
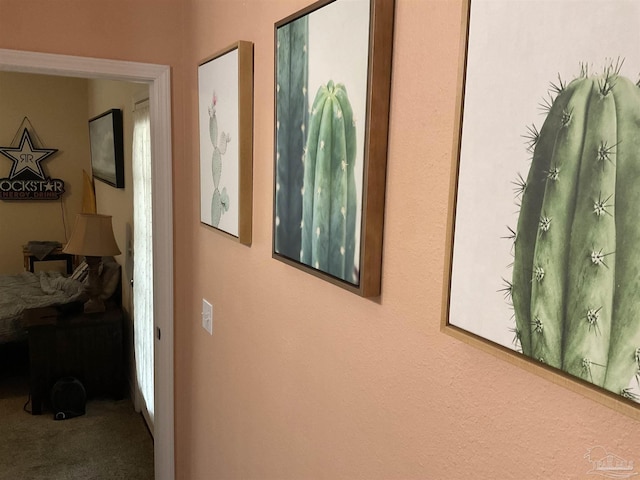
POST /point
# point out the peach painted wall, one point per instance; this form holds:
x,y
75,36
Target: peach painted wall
x,y
302,379
56,108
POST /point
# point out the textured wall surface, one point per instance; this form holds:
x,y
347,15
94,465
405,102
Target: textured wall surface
x,y
303,380
300,378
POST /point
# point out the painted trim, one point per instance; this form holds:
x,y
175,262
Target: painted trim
x,y
159,79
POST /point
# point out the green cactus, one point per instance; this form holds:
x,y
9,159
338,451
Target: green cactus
x,y
291,120
219,202
329,199
577,246
219,205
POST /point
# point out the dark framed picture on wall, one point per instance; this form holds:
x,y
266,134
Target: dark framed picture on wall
x,y
545,239
225,118
107,148
332,86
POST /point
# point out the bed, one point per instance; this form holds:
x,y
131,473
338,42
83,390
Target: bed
x,y
44,289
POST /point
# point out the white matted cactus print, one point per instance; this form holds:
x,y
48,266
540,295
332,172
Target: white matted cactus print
x,y
322,77
218,120
545,253
332,87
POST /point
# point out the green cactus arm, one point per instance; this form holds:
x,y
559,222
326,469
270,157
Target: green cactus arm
x,y
548,291
224,199
339,234
282,234
216,167
343,186
311,153
223,142
349,273
291,125
329,200
216,208
339,193
625,329
529,218
528,221
321,228
213,125
578,238
591,267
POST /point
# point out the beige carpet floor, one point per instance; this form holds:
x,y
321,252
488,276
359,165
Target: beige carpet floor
x,y
109,442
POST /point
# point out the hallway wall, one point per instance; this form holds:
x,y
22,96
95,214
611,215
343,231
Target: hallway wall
x,y
304,380
300,378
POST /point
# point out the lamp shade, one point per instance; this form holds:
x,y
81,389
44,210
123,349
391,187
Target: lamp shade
x,y
92,236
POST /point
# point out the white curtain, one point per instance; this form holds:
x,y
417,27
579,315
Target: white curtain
x,y
143,262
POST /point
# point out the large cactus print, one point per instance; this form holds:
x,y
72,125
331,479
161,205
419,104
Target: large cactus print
x,y
291,131
576,278
329,198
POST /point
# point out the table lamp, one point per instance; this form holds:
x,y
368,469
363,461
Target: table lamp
x,y
92,237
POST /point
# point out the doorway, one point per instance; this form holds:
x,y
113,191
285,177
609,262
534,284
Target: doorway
x,y
158,79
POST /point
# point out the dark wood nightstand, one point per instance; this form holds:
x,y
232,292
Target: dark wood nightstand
x,y
55,255
65,341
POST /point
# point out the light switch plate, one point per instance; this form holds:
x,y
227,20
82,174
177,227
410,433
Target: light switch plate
x,y
207,316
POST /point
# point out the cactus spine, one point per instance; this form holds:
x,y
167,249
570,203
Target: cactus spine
x,y
291,126
329,199
577,245
219,201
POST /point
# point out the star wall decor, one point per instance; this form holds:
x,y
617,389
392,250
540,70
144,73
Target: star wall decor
x,y
26,158
27,180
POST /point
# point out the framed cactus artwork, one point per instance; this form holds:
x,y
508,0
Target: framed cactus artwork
x,y
225,115
332,86
545,233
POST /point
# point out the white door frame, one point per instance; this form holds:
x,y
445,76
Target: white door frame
x,y
159,79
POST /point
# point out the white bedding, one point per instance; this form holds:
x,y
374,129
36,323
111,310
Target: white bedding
x,y
32,290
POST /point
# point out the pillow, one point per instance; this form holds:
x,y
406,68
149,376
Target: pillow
x,y
110,277
81,272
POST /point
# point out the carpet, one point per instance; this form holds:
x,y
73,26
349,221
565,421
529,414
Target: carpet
x,y
110,441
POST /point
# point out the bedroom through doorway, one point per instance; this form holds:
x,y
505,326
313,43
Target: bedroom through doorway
x,y
156,80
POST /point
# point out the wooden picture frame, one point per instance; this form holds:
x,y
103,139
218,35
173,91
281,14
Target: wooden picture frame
x,y
225,116
107,147
338,52
542,239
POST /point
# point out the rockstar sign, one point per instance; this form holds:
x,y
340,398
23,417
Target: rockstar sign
x,y
27,180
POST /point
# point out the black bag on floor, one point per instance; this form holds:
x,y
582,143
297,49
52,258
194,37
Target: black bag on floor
x,y
68,398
